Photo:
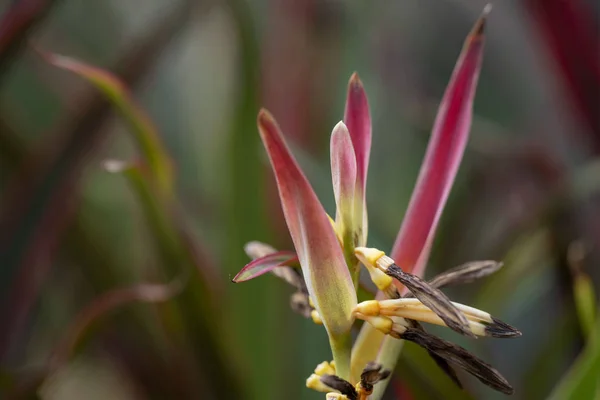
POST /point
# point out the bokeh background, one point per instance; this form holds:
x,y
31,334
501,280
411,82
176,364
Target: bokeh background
x,y
76,241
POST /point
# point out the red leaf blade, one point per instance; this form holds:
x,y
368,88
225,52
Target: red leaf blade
x,y
265,264
444,154
327,277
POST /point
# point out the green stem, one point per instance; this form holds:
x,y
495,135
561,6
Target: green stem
x,y
388,356
341,348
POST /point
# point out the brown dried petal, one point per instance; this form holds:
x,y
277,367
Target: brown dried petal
x,y
300,304
372,374
460,357
500,329
466,273
434,299
299,300
293,276
341,385
441,362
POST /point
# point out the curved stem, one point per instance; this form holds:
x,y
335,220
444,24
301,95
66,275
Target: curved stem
x,y
341,348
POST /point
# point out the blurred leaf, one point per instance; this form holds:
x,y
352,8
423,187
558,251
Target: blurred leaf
x,y
6,380
12,150
585,181
16,24
98,264
552,355
523,260
141,126
583,290
245,213
585,300
581,381
561,24
196,312
104,304
40,200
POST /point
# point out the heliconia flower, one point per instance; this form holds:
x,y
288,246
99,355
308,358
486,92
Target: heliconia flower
x,y
325,271
331,252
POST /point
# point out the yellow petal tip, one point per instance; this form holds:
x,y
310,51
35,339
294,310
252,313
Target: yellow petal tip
x,y
368,255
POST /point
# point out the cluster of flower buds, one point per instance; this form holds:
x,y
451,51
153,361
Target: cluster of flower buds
x,y
400,317
430,305
381,315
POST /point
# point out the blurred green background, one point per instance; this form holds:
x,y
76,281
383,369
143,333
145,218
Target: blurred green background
x,y
72,233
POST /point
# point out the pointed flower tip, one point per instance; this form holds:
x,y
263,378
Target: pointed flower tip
x,y
355,81
270,134
99,76
357,118
501,329
479,28
341,128
264,117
